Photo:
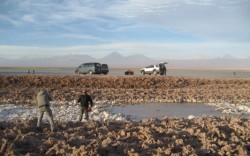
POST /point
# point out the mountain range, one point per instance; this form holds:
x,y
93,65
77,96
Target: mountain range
x,y
116,60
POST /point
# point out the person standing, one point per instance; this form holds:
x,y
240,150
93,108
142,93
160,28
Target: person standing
x,y
163,69
85,104
44,98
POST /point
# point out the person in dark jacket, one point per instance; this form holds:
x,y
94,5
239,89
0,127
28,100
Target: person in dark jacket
x,y
86,104
163,69
43,98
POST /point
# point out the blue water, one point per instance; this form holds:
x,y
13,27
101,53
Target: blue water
x,y
58,71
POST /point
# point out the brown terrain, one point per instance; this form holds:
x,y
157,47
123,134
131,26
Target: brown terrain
x,y
171,136
126,89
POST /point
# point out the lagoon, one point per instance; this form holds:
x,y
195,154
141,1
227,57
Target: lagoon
x,y
167,110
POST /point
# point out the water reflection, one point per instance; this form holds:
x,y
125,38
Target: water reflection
x,y
162,110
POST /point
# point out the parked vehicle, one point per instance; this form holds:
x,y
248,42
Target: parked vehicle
x,y
155,69
129,72
151,69
105,69
89,68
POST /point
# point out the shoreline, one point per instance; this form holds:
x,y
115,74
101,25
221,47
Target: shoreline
x,y
66,111
125,68
114,68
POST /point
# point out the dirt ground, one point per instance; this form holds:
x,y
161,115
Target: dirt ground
x,y
199,136
126,89
171,136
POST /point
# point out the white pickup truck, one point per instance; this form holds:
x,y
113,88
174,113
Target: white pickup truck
x,y
155,69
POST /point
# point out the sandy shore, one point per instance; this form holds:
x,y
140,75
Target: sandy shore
x,y
171,136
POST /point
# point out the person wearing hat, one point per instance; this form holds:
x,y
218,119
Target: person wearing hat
x,y
85,104
43,98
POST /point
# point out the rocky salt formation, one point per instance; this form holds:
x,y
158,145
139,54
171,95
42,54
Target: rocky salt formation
x,y
199,136
126,89
62,112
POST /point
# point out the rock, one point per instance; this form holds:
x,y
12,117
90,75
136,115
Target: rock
x,y
162,137
245,150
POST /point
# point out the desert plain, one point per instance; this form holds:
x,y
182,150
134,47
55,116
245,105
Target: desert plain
x,y
169,136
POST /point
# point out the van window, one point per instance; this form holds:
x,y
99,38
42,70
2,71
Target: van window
x,y
104,65
97,64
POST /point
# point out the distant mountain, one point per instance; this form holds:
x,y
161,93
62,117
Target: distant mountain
x,y
37,62
228,57
116,60
134,61
71,60
56,61
113,59
114,56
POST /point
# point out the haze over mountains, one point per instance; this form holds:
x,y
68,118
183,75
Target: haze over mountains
x,y
116,60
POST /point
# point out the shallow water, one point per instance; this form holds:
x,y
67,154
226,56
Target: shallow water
x,y
162,110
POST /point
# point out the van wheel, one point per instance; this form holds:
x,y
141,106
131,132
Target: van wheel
x,y
90,72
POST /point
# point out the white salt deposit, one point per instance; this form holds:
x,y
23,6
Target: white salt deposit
x,y
63,112
229,108
69,111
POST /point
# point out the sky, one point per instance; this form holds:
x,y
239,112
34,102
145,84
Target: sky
x,y
169,29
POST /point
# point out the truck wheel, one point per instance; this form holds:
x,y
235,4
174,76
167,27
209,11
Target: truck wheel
x,y
154,72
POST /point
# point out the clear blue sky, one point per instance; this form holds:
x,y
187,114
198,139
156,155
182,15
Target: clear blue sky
x,y
169,29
